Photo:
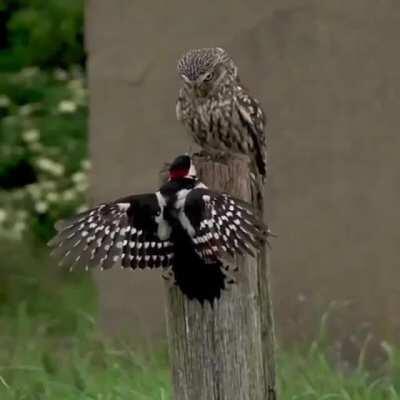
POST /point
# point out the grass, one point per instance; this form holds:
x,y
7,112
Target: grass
x,y
311,376
34,364
50,348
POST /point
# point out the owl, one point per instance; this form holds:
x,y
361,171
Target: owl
x,y
217,111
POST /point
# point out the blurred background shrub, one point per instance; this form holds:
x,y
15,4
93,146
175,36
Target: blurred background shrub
x,y
43,177
46,33
43,165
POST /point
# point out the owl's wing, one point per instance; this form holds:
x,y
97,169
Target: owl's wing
x,y
179,105
126,231
252,116
221,226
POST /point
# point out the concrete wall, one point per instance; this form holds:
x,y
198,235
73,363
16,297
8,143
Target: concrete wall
x,y
328,74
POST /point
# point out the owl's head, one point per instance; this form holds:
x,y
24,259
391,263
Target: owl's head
x,y
204,70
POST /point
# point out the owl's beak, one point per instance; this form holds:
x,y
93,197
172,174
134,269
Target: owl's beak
x,y
200,89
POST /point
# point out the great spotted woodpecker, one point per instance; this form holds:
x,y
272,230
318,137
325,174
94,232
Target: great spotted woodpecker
x,y
184,228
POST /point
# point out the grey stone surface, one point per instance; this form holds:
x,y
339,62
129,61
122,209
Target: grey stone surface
x,y
328,74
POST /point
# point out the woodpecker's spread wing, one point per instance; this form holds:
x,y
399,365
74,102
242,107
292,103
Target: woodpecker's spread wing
x,y
221,225
252,116
126,231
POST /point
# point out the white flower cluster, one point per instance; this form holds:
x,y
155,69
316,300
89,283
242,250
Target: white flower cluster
x,y
28,73
13,223
5,102
59,188
50,195
67,106
31,135
77,91
49,166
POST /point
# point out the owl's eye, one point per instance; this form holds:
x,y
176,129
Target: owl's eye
x,y
208,76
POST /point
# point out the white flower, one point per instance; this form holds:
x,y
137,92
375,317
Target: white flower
x,y
4,101
78,90
82,187
85,164
3,215
69,195
34,190
50,166
67,107
31,135
29,72
78,177
44,163
81,209
60,74
48,185
52,197
41,207
75,84
26,109
19,226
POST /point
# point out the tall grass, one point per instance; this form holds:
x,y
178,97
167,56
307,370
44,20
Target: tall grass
x,y
35,364
52,349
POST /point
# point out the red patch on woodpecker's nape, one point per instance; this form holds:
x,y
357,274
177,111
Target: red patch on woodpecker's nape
x,y
177,173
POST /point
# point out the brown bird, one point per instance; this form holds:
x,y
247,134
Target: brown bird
x,y
217,111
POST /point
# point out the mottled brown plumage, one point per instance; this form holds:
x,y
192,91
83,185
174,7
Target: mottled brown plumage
x,y
217,111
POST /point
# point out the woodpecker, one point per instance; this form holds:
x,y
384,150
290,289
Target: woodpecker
x,y
184,228
218,112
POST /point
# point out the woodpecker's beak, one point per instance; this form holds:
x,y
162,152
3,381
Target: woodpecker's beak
x,y
192,171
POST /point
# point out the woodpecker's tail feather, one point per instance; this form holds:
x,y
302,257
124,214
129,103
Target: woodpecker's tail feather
x,y
204,282
194,276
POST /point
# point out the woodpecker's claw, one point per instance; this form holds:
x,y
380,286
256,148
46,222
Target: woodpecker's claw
x,y
169,278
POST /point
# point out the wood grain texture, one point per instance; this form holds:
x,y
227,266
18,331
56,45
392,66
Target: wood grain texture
x,y
225,352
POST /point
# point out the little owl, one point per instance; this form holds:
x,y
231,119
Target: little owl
x,y
217,111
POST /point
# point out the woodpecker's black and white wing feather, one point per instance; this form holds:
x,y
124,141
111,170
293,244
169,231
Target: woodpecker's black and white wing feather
x,y
130,231
252,116
221,226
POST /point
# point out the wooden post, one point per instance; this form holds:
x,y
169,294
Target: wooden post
x,y
225,352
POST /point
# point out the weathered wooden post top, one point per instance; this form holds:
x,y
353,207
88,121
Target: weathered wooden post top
x,y
225,351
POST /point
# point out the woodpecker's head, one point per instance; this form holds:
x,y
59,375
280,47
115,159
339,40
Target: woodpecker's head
x,y
182,167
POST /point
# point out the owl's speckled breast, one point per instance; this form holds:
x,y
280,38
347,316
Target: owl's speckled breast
x,y
211,122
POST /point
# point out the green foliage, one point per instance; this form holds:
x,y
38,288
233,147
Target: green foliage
x,y
83,367
312,376
50,348
42,32
320,372
43,166
30,283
